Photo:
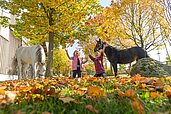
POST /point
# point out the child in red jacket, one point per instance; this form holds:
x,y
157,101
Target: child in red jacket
x,y
98,63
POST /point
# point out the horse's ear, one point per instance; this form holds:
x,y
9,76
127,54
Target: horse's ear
x,y
98,40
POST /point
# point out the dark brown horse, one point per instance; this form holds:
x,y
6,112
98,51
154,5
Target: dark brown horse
x,y
116,56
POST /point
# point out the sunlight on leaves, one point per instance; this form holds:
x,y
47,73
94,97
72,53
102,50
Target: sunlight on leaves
x,y
95,91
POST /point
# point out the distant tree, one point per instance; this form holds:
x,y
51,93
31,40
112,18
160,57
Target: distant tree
x,y
61,64
132,22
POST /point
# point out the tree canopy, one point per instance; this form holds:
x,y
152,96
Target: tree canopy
x,y
58,22
127,23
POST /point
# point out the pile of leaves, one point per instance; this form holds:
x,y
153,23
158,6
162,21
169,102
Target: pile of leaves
x,y
86,95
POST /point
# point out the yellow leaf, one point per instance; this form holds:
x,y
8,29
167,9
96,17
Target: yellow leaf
x,y
143,86
137,83
2,91
167,87
83,88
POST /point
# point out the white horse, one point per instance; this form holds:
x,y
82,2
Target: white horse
x,y
34,55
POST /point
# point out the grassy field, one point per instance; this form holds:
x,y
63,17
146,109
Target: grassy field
x,y
87,95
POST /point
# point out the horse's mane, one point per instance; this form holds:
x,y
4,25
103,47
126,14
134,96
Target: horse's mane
x,y
39,53
110,47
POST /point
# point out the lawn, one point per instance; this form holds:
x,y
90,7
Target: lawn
x,y
87,95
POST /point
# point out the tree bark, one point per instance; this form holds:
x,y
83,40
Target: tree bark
x,y
49,71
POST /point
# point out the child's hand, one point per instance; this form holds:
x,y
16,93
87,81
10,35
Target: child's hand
x,y
89,52
86,58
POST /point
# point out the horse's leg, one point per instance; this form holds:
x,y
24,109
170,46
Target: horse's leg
x,y
19,69
33,71
19,72
115,68
25,67
34,66
129,69
30,71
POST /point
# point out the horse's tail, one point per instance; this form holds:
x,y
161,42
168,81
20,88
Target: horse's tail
x,y
14,65
147,56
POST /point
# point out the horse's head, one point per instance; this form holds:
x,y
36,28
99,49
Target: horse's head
x,y
99,45
41,69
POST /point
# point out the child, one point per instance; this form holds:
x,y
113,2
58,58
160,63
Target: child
x,y
98,66
77,62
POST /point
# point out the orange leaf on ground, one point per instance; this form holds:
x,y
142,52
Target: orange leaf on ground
x,y
120,92
130,93
94,79
95,91
138,107
85,76
168,94
154,95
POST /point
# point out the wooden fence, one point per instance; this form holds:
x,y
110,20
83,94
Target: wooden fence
x,y
7,52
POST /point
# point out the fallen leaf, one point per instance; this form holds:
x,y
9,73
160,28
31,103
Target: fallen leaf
x,y
154,95
66,99
138,107
92,109
3,87
11,95
95,91
130,93
2,91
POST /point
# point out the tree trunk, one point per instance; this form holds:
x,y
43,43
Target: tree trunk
x,y
49,71
50,56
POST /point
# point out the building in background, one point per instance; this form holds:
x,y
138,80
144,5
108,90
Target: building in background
x,y
8,44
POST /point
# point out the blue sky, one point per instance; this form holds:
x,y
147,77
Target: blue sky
x,y
105,2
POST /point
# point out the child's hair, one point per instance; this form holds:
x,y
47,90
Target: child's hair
x,y
76,51
96,53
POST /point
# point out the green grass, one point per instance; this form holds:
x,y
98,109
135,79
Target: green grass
x,y
106,105
113,103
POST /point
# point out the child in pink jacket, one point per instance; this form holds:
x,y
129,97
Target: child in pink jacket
x,y
77,62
